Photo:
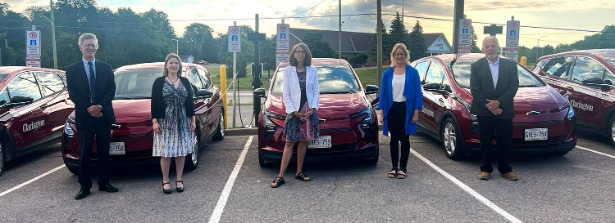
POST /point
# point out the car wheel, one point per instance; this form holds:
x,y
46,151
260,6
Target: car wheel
x,y
611,130
262,162
192,160
451,139
220,130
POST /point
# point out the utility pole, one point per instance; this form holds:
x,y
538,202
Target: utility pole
x,y
459,5
339,33
53,37
378,41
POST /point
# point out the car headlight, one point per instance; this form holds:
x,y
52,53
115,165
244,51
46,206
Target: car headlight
x,y
69,126
468,106
570,114
367,119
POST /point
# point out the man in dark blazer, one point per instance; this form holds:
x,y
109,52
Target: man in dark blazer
x,y
91,87
494,82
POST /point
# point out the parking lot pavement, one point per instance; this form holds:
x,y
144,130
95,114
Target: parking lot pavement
x,y
229,186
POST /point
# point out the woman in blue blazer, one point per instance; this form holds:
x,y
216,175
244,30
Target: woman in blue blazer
x,y
400,99
301,98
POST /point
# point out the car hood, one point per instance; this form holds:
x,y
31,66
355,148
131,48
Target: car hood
x,y
331,105
538,99
135,110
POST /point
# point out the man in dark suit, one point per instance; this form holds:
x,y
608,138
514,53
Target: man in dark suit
x,y
494,82
91,86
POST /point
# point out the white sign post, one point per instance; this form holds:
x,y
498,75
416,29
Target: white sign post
x,y
282,43
465,36
512,39
234,46
33,47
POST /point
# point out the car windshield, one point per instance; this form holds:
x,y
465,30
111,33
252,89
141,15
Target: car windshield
x,y
611,59
332,79
135,84
2,76
461,73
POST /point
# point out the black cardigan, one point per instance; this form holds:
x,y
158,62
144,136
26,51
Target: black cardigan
x,y
158,105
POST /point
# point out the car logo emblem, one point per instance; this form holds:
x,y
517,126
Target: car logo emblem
x,y
533,113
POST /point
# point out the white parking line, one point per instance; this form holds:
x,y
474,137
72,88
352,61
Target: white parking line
x,y
32,180
467,189
596,152
215,216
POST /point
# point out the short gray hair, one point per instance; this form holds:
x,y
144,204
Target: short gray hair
x,y
87,36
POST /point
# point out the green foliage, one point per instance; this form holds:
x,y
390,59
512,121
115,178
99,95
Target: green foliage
x,y
416,43
386,45
358,60
474,45
317,46
397,34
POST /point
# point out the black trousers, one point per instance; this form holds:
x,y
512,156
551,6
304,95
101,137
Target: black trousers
x,y
86,139
395,121
490,126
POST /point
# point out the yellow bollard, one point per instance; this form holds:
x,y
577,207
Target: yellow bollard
x,y
523,61
223,92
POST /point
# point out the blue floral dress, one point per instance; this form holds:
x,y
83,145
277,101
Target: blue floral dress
x,y
297,130
176,139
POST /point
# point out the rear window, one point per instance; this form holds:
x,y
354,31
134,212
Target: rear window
x,y
135,84
462,69
332,79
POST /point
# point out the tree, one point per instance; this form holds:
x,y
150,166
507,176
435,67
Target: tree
x,y
398,32
416,42
473,46
358,60
317,46
243,58
386,45
199,42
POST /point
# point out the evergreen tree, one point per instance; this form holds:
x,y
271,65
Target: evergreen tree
x,y
386,45
398,32
473,46
416,43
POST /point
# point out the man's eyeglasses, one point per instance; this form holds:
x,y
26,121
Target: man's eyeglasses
x,y
300,52
90,45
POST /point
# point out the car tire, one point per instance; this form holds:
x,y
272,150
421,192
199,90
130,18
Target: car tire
x,y
451,139
220,130
74,170
610,130
192,160
262,162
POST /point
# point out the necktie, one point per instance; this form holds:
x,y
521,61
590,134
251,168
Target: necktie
x,y
92,81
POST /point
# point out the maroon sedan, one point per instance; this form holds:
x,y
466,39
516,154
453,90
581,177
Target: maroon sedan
x,y
132,134
544,120
33,107
587,77
348,123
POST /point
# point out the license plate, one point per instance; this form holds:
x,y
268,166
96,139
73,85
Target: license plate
x,y
536,134
320,142
117,148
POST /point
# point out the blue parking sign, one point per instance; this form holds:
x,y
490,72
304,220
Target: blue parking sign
x,y
33,42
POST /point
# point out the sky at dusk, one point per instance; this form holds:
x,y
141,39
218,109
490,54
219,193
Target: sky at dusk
x,y
553,21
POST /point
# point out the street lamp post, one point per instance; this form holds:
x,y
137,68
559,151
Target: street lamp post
x,y
537,47
53,35
176,46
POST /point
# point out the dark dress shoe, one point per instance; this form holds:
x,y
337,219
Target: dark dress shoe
x,y
108,187
82,194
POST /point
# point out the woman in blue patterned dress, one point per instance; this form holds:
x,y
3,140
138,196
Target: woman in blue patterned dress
x,y
301,98
173,121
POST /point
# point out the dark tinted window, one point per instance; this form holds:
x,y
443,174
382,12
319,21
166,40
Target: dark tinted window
x,y
135,83
332,79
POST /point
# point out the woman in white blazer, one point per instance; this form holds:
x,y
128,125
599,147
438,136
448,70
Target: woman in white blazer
x,y
301,98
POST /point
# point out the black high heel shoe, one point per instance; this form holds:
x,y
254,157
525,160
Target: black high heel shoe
x,y
179,189
166,191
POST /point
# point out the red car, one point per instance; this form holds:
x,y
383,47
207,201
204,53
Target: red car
x,y
544,120
348,123
587,78
132,134
33,106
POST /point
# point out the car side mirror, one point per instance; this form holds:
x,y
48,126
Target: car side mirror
x,y
371,89
260,92
203,93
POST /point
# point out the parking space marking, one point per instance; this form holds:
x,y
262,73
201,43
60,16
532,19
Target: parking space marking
x,y
31,180
217,213
596,152
466,188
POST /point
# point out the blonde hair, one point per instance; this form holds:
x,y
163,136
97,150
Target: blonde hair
x,y
404,48
165,71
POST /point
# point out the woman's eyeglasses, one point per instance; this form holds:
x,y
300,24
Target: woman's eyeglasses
x,y
300,52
